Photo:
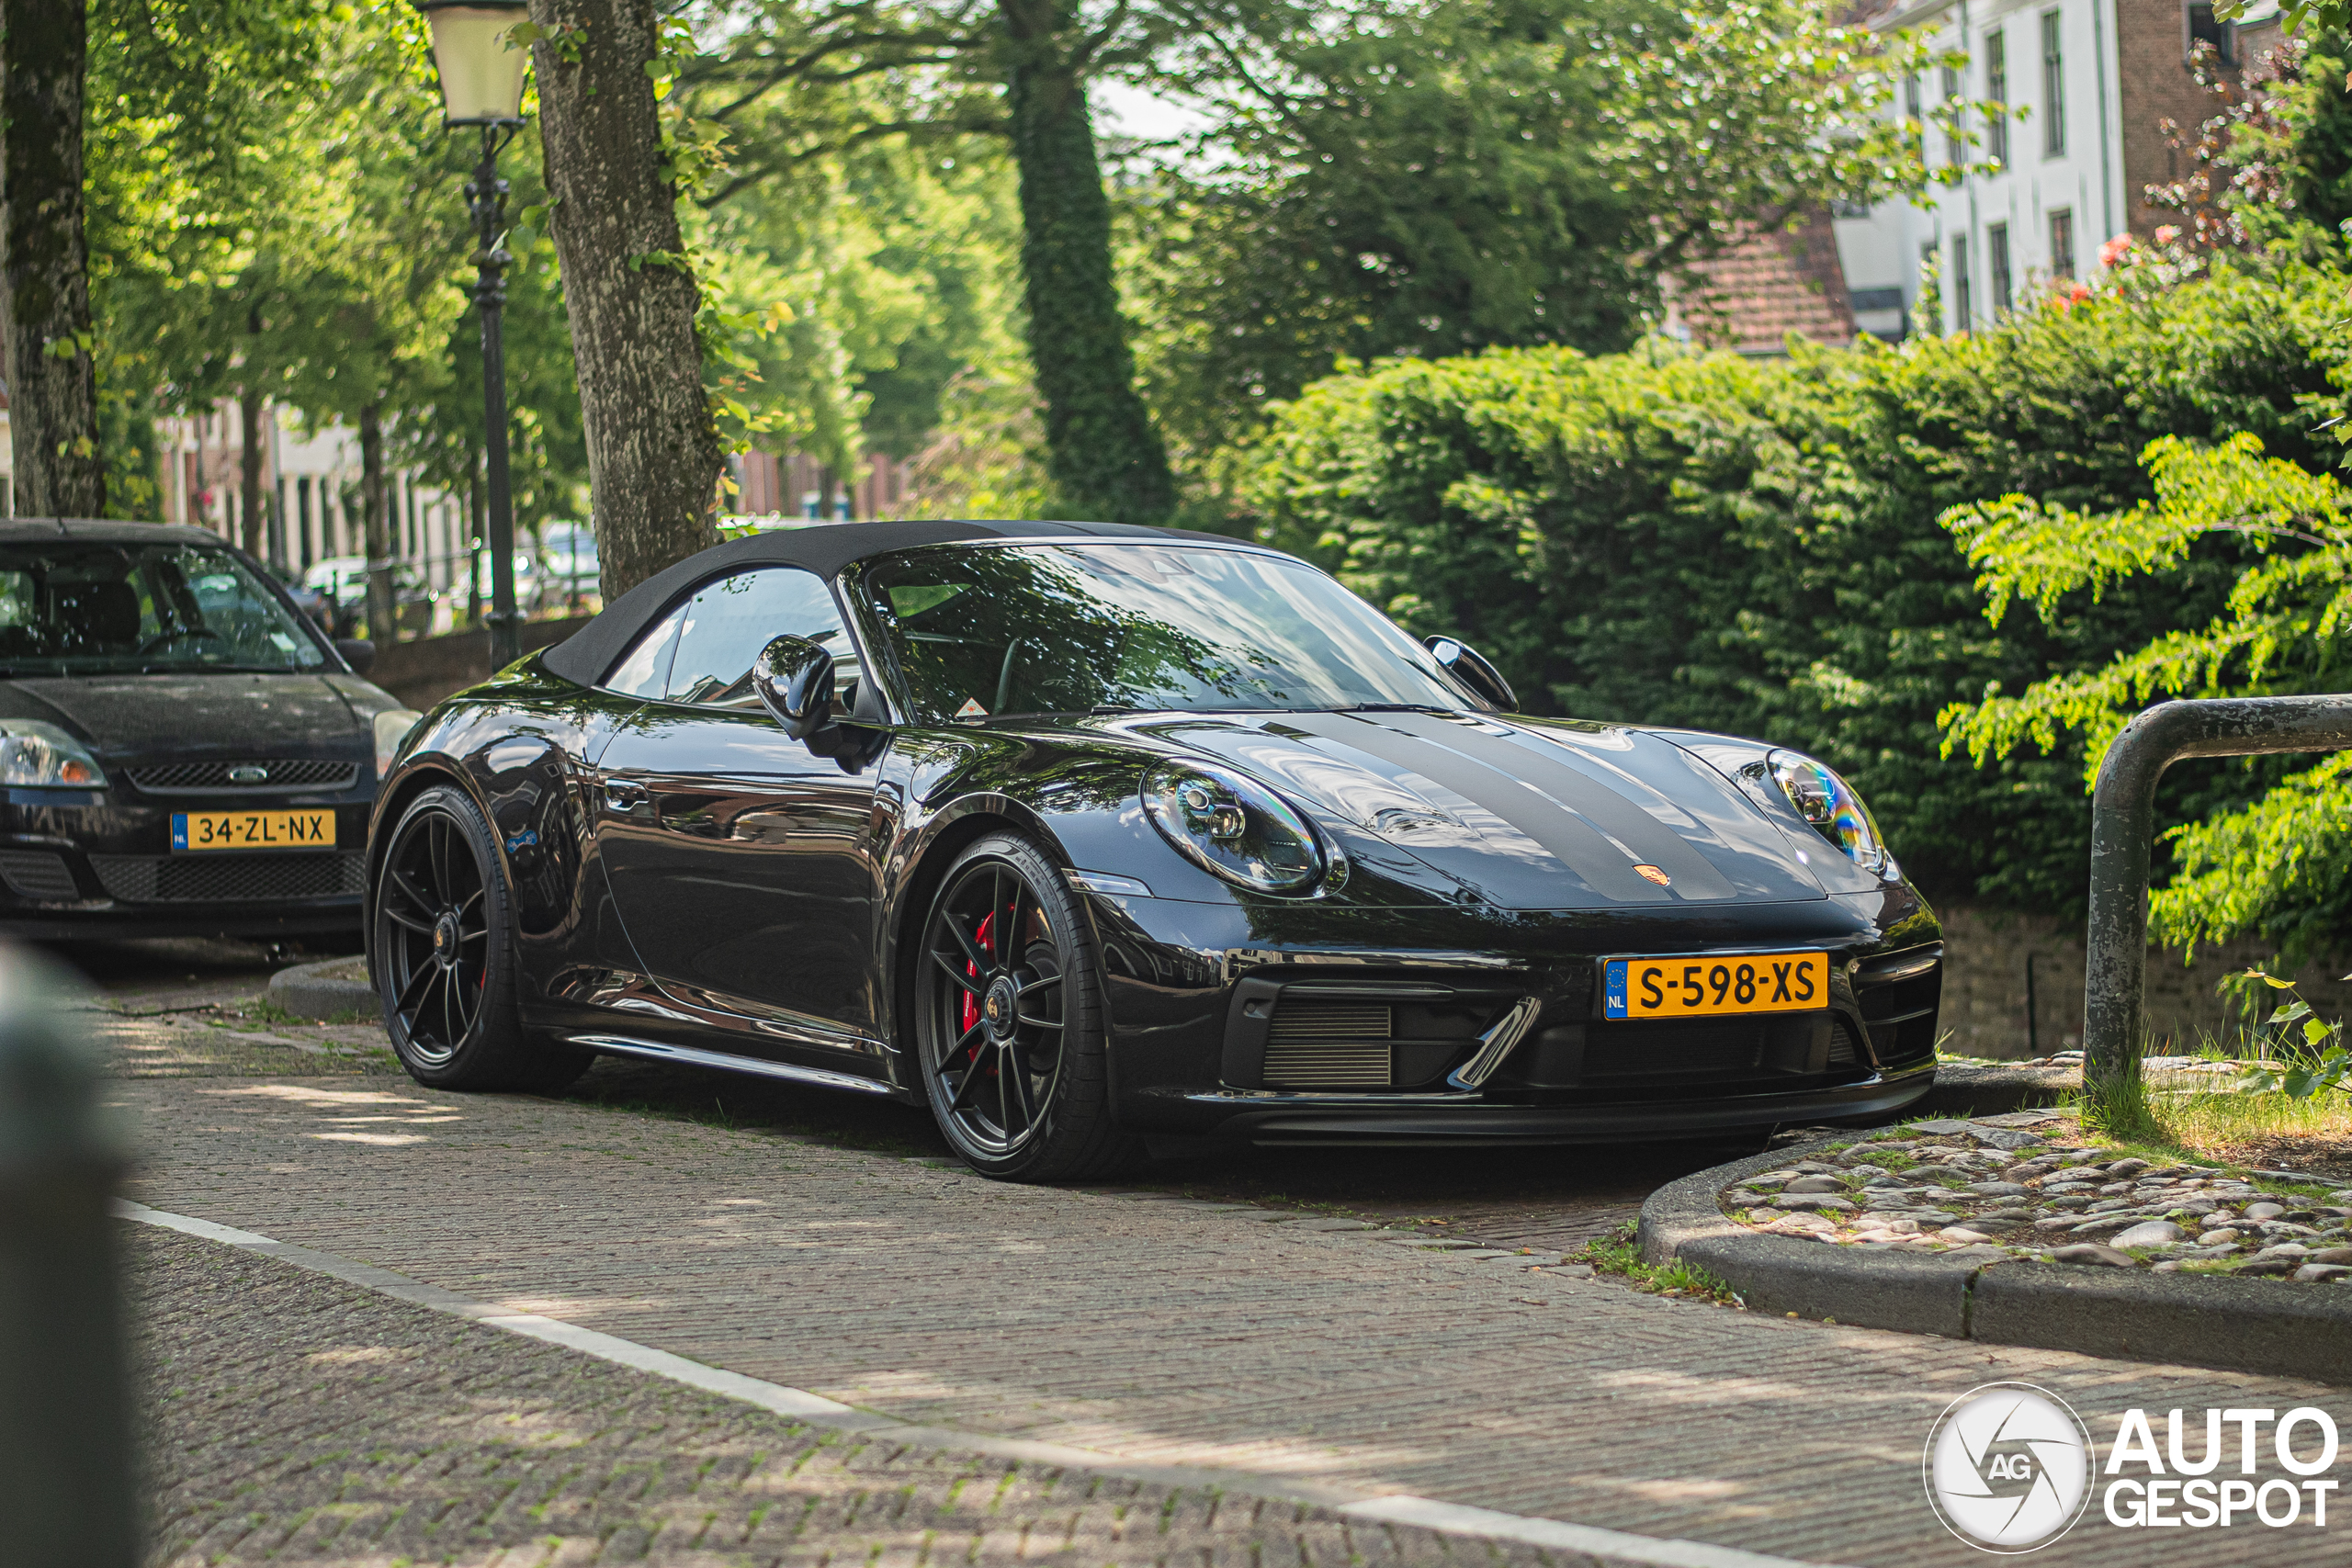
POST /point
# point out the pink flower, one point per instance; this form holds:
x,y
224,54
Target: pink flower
x,y
2168,233
2114,250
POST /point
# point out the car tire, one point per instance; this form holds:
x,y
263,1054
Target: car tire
x,y
1011,1043
442,948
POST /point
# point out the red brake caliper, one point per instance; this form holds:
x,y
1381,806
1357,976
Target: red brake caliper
x,y
967,1016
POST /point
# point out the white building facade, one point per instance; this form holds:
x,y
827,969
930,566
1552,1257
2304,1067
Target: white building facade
x,y
2094,79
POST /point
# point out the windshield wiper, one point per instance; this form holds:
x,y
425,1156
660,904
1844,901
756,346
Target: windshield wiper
x,y
215,669
1390,708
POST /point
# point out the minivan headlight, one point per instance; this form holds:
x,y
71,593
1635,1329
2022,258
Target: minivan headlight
x,y
1232,825
1830,804
36,755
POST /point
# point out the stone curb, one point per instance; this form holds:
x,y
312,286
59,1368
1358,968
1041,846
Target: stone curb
x,y
2275,1327
1988,1092
324,989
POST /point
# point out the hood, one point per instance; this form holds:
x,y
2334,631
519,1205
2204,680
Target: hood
x,y
1525,814
193,716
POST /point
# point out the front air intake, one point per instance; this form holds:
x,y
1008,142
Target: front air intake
x,y
1313,1042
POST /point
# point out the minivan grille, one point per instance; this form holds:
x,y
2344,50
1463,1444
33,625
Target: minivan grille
x,y
281,776
230,879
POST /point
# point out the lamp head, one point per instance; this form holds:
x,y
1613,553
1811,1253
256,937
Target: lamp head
x,y
479,62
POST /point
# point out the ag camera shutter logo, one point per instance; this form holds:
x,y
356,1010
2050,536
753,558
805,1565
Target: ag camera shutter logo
x,y
2009,1467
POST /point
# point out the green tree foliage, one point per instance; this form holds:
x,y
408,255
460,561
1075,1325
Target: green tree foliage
x,y
1436,177
794,83
1755,546
2282,862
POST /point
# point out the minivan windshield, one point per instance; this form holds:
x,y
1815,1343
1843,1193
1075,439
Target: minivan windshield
x,y
85,607
986,629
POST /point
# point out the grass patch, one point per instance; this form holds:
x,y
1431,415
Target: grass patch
x,y
2119,1109
2236,1118
2228,1126
1620,1253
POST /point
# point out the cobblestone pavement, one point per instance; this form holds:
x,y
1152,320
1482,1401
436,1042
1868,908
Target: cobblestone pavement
x,y
295,1418
195,1010
1149,1327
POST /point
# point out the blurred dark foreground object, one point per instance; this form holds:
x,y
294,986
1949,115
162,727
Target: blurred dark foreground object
x,y
65,1475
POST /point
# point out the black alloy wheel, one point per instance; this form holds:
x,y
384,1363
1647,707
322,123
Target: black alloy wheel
x,y
1010,1020
442,949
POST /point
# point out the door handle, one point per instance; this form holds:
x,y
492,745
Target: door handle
x,y
624,796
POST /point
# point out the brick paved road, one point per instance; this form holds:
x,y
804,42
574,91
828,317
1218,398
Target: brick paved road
x,y
1148,1328
296,1418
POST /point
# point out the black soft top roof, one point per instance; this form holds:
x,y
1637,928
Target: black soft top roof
x,y
823,548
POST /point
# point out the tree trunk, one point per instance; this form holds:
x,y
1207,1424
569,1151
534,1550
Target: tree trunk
x,y
249,461
53,380
653,454
374,509
1105,455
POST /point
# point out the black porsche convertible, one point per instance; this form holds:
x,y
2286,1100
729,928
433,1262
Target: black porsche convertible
x,y
1086,836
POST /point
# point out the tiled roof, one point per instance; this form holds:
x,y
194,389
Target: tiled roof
x,y
1771,283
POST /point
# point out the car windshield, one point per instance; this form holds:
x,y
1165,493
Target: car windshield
x,y
80,607
1053,628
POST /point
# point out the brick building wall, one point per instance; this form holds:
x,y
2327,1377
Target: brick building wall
x,y
1984,1000
2153,85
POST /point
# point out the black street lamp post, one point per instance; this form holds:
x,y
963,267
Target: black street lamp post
x,y
482,84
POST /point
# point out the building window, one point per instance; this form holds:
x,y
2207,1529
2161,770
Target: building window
x,y
1951,108
2208,30
2054,87
1996,265
1997,89
1963,308
2062,242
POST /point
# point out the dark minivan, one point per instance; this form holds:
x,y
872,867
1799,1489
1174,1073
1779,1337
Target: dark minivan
x,y
182,751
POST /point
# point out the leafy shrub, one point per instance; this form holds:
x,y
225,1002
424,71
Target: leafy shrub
x,y
1753,547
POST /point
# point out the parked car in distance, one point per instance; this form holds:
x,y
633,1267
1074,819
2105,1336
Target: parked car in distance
x,y
341,582
1081,835
570,579
181,750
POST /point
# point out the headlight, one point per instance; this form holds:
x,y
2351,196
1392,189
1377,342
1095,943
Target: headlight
x,y
1829,803
41,756
1232,826
393,725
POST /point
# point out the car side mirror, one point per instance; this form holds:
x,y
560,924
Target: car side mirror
x,y
1465,664
794,680
357,652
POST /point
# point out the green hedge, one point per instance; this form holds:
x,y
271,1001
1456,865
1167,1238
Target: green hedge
x,y
1752,546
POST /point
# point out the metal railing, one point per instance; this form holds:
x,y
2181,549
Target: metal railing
x,y
2124,809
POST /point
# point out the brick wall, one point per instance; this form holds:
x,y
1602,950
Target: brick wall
x,y
1985,952
2152,47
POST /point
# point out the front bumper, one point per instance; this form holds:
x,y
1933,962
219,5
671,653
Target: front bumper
x,y
1458,1026
1269,1119
100,864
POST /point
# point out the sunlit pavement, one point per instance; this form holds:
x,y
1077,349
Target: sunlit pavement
x,y
1122,1320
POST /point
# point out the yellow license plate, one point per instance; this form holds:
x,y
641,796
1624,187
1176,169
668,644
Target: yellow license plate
x,y
194,830
1703,987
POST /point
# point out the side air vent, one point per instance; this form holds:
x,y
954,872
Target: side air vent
x,y
36,874
1312,1042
